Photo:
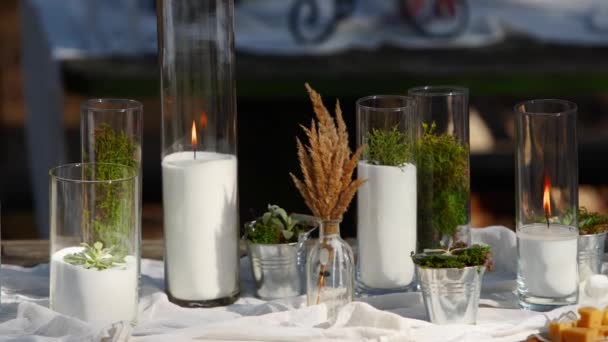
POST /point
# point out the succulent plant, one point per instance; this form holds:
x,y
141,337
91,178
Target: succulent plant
x,y
96,257
274,226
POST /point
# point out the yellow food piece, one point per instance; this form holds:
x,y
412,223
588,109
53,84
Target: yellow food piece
x,y
590,317
603,331
579,335
605,318
556,329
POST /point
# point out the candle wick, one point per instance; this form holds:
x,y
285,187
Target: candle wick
x,y
547,217
195,153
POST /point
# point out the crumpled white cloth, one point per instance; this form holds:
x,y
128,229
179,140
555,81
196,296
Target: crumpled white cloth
x,y
24,315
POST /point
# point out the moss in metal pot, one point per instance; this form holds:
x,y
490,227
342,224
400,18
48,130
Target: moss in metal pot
x,y
591,222
274,227
476,255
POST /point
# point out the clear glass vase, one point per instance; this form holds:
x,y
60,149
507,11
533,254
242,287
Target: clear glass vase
x,y
442,155
546,204
386,203
199,162
111,132
330,270
97,205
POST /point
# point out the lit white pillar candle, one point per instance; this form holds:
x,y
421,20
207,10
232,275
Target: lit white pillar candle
x,y
386,225
201,225
548,259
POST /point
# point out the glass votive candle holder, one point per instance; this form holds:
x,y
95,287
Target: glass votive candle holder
x,y
546,204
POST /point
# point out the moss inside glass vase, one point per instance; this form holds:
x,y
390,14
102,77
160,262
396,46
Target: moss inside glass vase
x,y
113,216
388,147
443,187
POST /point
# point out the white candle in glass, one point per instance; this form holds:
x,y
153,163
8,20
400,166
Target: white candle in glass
x,y
548,259
201,225
386,224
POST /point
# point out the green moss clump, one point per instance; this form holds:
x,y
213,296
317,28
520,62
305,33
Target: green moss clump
x,y
475,255
274,227
388,147
443,187
591,223
114,200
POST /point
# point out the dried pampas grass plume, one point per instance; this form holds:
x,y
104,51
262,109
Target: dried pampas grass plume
x,y
327,163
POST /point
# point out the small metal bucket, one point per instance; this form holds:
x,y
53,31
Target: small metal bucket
x,y
451,295
590,253
276,270
279,270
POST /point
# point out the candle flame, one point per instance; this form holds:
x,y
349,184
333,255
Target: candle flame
x,y
194,138
547,196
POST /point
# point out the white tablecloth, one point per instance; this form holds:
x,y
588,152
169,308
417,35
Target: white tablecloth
x,y
24,315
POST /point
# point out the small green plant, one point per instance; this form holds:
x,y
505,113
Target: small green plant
x,y
443,186
388,147
476,255
591,222
96,257
114,200
273,227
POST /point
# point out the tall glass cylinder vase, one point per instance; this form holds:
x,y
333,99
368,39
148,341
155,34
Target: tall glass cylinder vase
x,y
95,241
386,203
199,163
442,155
111,132
547,203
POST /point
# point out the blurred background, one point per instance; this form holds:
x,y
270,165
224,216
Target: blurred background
x,y
56,54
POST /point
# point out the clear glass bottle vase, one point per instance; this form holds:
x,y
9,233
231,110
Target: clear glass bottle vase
x,y
330,270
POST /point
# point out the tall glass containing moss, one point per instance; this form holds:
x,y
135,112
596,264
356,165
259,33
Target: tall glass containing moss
x,y
386,203
111,131
442,155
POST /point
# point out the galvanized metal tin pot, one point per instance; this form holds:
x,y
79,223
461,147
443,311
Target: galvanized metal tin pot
x,y
279,270
590,253
451,295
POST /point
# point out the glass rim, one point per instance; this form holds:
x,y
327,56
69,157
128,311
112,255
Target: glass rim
x,y
123,105
408,101
569,107
53,173
439,90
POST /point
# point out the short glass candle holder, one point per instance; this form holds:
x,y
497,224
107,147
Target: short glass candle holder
x,y
386,203
442,154
547,204
199,161
95,242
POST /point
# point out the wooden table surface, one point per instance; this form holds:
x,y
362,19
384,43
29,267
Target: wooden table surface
x,y
33,252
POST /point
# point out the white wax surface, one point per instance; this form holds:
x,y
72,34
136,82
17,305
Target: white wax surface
x,y
91,295
548,259
386,224
201,225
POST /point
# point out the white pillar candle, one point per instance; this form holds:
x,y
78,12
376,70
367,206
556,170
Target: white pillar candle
x,y
386,225
92,295
201,225
548,259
